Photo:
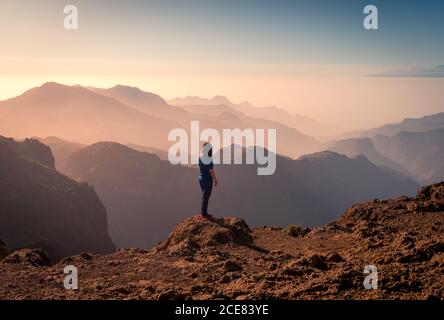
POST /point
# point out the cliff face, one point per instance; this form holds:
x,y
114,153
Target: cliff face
x,y
31,149
225,259
41,208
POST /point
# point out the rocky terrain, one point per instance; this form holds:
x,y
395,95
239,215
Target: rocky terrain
x,y
225,259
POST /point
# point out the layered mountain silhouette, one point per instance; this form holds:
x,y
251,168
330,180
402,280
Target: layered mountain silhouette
x,y
41,208
365,146
426,123
226,115
162,154
145,102
413,147
61,149
126,115
421,153
78,114
146,196
220,104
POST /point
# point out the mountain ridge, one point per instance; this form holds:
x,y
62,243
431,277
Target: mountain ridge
x,y
140,179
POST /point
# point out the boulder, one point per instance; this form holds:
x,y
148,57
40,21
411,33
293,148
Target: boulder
x,y
32,257
195,233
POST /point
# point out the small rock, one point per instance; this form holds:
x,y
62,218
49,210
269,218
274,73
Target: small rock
x,y
171,295
294,272
225,279
86,256
316,261
272,266
231,266
121,290
33,257
334,257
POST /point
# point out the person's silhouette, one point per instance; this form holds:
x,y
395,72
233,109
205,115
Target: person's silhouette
x,y
207,177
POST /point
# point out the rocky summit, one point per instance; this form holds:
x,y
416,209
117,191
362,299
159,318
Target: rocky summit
x,y
225,259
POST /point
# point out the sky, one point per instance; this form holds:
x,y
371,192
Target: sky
x,y
312,57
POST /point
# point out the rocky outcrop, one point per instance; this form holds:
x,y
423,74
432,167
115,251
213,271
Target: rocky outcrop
x,y
31,149
196,233
32,257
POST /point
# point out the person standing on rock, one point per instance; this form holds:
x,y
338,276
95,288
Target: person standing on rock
x,y
207,177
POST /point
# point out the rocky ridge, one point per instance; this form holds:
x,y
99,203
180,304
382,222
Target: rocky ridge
x,y
225,259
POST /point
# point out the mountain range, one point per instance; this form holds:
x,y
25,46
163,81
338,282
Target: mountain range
x,y
125,115
366,147
421,153
146,196
413,147
81,115
426,123
221,104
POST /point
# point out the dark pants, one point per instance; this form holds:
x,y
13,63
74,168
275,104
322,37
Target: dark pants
x,y
206,185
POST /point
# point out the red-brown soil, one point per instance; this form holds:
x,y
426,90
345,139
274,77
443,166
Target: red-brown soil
x,y
225,259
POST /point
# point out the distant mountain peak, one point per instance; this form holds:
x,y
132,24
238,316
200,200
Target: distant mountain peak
x,y
55,87
132,96
52,87
221,100
51,84
127,88
114,150
322,155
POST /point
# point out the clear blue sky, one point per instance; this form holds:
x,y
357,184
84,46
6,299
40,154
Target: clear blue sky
x,y
262,31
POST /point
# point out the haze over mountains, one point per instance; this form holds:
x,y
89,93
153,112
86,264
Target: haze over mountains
x,y
90,115
143,120
426,123
365,147
39,207
413,147
221,104
61,149
146,196
78,114
291,141
145,102
421,153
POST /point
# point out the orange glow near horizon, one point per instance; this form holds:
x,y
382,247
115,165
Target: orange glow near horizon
x,y
347,102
